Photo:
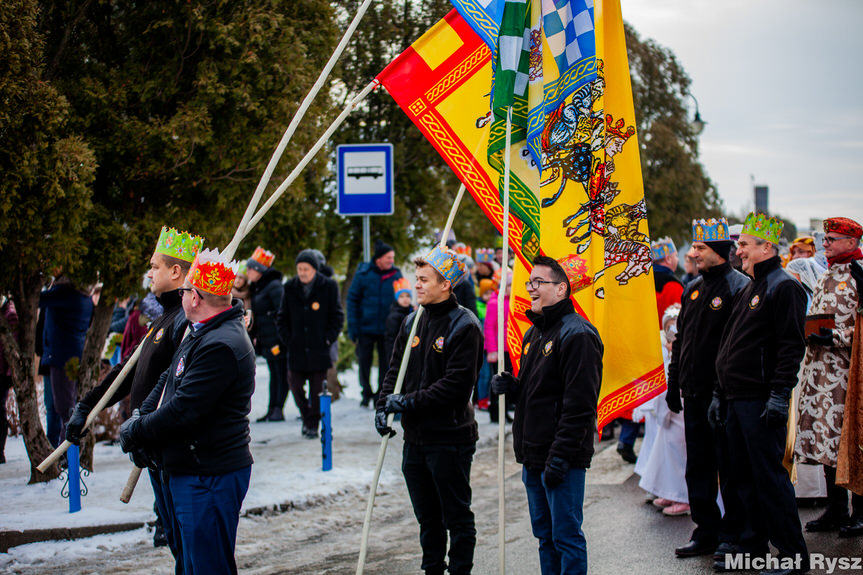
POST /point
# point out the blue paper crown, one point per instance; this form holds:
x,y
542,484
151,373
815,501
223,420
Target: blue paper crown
x,y
447,263
710,230
661,248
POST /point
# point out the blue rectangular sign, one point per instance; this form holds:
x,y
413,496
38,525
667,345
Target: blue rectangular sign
x,y
365,179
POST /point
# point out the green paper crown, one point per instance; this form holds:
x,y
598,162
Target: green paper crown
x,y
763,226
180,245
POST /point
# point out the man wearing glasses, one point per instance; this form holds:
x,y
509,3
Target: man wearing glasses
x,y
195,422
824,382
555,411
756,367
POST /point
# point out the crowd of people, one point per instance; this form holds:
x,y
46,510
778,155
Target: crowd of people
x,y
749,320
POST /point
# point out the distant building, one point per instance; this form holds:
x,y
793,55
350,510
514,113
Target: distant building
x,y
761,194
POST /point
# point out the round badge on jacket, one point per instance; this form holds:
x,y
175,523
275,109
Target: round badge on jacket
x,y
716,303
694,295
181,366
526,347
546,349
416,341
159,335
438,344
842,286
753,303
316,306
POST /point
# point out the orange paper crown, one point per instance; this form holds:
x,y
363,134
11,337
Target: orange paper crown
x,y
264,257
401,284
576,272
211,273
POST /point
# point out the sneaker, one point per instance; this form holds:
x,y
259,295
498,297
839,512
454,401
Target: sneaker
x,y
662,503
676,509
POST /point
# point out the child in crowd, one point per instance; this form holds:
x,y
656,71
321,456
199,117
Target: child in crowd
x,y
399,310
480,397
491,330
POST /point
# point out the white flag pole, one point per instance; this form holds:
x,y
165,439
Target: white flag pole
x,y
501,400
367,522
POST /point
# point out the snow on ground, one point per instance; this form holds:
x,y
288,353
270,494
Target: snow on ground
x,y
287,473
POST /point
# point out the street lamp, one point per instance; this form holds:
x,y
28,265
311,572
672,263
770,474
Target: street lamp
x,y
697,123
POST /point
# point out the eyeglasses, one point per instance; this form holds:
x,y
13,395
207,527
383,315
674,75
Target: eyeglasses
x,y
184,290
535,283
830,239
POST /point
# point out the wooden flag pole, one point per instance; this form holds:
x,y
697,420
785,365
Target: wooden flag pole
x,y
501,365
367,522
311,153
292,127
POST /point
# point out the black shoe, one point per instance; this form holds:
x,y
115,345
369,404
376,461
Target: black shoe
x,y
724,547
627,454
276,414
695,548
804,568
309,433
607,432
2,458
853,529
829,521
159,537
265,417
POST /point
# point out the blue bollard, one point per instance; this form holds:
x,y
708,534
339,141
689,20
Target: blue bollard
x,y
74,479
327,430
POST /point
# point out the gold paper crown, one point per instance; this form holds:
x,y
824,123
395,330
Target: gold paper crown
x,y
181,245
447,263
763,226
212,274
263,257
576,272
710,230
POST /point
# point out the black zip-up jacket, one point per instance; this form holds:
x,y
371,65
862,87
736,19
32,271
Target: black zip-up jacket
x,y
266,294
158,349
763,343
394,323
308,325
704,310
557,389
202,426
444,364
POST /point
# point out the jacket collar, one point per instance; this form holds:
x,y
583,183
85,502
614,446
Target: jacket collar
x,y
551,314
233,312
170,299
442,307
716,271
761,269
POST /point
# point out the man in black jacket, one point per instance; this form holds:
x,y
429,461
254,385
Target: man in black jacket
x,y
265,291
437,414
705,308
309,322
757,364
195,423
556,395
169,266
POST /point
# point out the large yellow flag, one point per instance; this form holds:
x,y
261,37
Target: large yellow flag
x,y
588,200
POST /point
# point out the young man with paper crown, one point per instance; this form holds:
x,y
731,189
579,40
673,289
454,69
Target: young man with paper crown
x,y
195,422
756,366
555,395
825,372
705,308
437,414
169,266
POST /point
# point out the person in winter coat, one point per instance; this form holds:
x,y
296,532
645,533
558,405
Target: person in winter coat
x,y
67,319
398,312
310,320
266,290
437,414
194,425
11,315
556,395
490,329
369,299
169,266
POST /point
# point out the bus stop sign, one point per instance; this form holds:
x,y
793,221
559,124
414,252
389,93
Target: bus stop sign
x,y
365,179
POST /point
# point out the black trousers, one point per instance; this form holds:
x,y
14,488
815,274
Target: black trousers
x,y
761,482
707,469
311,405
438,481
366,344
278,365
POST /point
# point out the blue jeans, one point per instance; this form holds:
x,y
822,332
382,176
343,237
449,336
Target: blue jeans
x,y
628,433
201,517
52,420
556,516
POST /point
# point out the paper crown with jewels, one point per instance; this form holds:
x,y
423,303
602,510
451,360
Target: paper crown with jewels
x,y
763,226
662,248
843,226
401,285
181,245
261,260
576,272
447,263
212,273
710,230
485,255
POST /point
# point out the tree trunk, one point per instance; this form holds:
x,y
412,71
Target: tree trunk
x,y
20,353
90,366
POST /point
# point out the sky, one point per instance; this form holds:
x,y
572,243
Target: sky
x,y
779,84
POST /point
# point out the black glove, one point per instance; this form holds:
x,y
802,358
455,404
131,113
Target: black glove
x,y
672,400
503,383
714,413
555,472
142,459
776,410
75,430
381,423
127,432
398,403
824,337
